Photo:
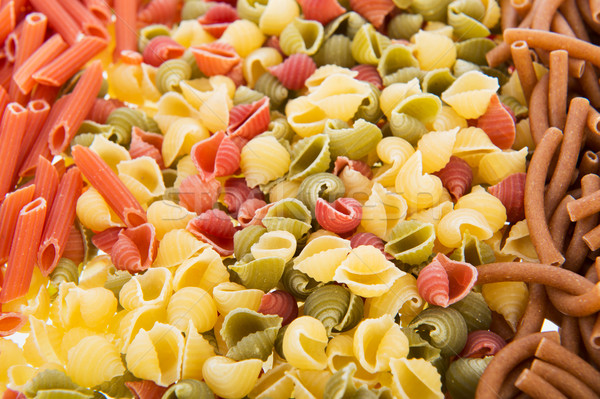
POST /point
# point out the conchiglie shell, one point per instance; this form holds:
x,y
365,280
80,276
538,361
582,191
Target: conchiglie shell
x,y
395,93
190,33
519,243
93,361
321,257
257,63
436,148
464,19
244,36
72,338
368,45
185,168
192,304
301,36
205,271
304,344
420,190
377,341
176,246
170,108
96,272
305,117
496,166
472,144
402,298
10,355
396,56
511,191
111,153
275,383
264,159
156,355
470,94
195,352
214,112
97,306
434,51
180,137
277,15
229,296
43,343
339,96
489,206
139,319
357,185
142,177
151,288
94,213
507,298
166,215
219,372
452,227
383,211
340,353
322,73
391,148
448,119
275,243
414,378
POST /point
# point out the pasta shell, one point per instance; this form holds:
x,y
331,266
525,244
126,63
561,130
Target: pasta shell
x,y
146,144
475,311
280,303
304,344
395,57
249,210
453,226
219,372
192,304
359,239
444,329
369,74
166,216
436,148
342,216
465,17
294,71
237,192
93,361
198,195
383,211
152,288
301,36
415,378
353,142
322,11
142,318
216,156
309,156
262,274
403,298
196,351
444,281
135,249
288,214
489,206
496,166
249,334
511,191
411,241
216,58
217,19
244,36
482,343
456,177
176,246
420,190
180,137
188,388
299,284
145,389
390,342
472,144
142,176
264,159
246,121
374,11
275,383
473,251
470,94
229,296
215,228
322,256
368,45
507,298
518,243
161,49
205,271
334,306
159,12
340,96
341,360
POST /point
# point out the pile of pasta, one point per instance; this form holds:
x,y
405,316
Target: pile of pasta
x,y
311,199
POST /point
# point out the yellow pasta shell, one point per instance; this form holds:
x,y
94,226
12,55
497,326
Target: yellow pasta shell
x,y
93,361
176,246
470,94
151,288
519,243
229,296
195,352
496,166
142,177
377,341
230,379
304,344
452,227
166,215
507,298
192,304
94,213
383,211
205,271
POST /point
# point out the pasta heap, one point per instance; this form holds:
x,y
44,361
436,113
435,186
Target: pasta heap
x,y
308,199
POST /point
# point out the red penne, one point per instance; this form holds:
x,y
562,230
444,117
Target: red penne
x,y
166,12
80,103
8,18
60,219
237,192
456,177
498,123
75,248
6,71
105,240
146,144
10,394
102,108
90,25
4,100
374,11
445,281
23,250
46,181
343,216
215,58
216,156
135,248
100,9
511,192
359,239
214,227
482,343
38,111
218,18
125,26
293,72
146,389
9,212
161,49
50,50
58,18
344,162
10,323
323,11
65,65
12,130
45,93
198,195
248,210
280,303
110,187
369,74
248,120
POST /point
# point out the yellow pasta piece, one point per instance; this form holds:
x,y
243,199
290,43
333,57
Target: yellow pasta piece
x,y
470,94
110,152
436,149
190,33
392,95
43,343
244,36
357,185
264,159
95,272
10,355
170,108
434,51
181,135
518,243
195,352
485,203
277,15
185,168
472,144
322,256
420,190
284,189
340,352
305,117
496,166
229,296
192,304
230,379
275,383
314,81
402,298
166,215
94,213
434,214
176,246
206,270
139,319
377,341
339,96
415,378
304,344
151,288
97,307
391,148
383,211
451,228
507,298
523,136
448,119
279,243
93,361
309,384
142,177
257,63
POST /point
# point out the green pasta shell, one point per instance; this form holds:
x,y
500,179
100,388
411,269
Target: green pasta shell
x,y
149,32
107,131
251,9
461,67
50,383
170,73
474,50
474,251
116,281
335,306
394,57
194,9
271,87
169,176
464,16
404,26
496,73
115,387
245,95
124,118
517,108
65,271
280,129
82,139
475,311
431,10
444,329
353,142
421,349
309,156
249,334
341,384
288,214
407,127
368,45
320,185
437,81
302,36
189,57
370,110
411,241
463,376
335,50
421,108
403,75
299,284
262,274
189,389
62,394
245,238
278,345
346,24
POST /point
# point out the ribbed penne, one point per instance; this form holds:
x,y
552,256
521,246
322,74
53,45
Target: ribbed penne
x,y
470,94
321,257
390,343
253,156
93,361
152,288
220,371
507,298
176,246
496,166
304,344
229,296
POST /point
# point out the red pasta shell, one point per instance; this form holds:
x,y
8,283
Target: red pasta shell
x,y
362,167
145,389
511,192
359,239
214,227
293,72
215,58
280,303
161,49
11,394
248,211
374,11
342,216
248,120
166,12
74,247
218,18
369,74
146,144
498,123
105,240
237,192
323,11
237,75
11,322
445,281
456,177
217,156
102,108
273,42
482,343
197,194
135,248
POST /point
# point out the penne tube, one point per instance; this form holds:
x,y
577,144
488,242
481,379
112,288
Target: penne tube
x,y
46,181
59,19
125,26
9,211
12,129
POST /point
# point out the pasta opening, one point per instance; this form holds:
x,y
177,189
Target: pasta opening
x,y
58,137
10,47
38,105
32,205
15,108
10,323
133,218
48,257
35,17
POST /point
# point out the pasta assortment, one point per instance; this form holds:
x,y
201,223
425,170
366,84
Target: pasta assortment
x,y
308,199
